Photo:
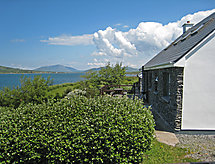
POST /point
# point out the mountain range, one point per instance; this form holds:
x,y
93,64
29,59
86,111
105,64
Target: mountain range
x,y
14,70
61,68
128,69
57,68
53,68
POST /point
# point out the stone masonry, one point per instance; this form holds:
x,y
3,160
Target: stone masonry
x,y
169,108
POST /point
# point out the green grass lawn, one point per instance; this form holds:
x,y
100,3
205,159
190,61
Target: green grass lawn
x,y
60,89
162,153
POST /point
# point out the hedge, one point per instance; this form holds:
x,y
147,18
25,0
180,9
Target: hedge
x,y
77,130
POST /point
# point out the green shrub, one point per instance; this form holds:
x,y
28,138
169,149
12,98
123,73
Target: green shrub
x,y
77,130
31,90
90,88
67,91
3,109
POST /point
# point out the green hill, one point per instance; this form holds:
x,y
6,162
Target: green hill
x,y
14,70
53,68
57,68
128,69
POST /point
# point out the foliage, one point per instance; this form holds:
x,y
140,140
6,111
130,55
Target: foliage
x,y
77,130
90,88
59,91
130,80
31,90
162,153
76,92
107,75
3,109
112,75
57,86
94,80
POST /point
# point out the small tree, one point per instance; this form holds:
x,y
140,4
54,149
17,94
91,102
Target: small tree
x,y
31,90
112,75
108,75
34,90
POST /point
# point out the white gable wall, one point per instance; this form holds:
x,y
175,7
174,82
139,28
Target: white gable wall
x,y
198,111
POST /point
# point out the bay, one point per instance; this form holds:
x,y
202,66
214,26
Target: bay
x,y
13,80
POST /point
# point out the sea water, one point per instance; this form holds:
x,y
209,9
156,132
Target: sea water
x,y
13,80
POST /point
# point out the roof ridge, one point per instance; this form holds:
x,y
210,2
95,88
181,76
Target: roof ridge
x,y
184,43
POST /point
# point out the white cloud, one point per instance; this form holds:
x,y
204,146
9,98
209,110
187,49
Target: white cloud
x,y
18,40
137,46
133,47
103,62
98,63
125,26
118,24
95,53
86,39
113,43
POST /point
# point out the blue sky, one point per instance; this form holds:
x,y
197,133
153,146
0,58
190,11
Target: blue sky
x,y
85,34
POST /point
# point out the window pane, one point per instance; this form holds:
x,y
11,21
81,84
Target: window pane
x,y
150,79
156,82
166,84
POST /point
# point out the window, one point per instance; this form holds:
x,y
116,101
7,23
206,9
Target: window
x,y
150,80
166,84
185,36
156,83
178,40
196,30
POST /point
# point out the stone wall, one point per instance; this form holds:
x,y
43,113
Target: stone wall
x,y
169,108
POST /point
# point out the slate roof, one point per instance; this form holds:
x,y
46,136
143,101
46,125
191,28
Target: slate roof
x,y
183,44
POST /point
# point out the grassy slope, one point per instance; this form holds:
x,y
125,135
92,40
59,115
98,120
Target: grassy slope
x,y
59,89
13,70
5,70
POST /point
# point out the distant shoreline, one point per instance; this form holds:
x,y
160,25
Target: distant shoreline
x,y
13,79
39,72
129,73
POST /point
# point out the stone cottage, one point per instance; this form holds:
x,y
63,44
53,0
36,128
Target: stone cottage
x,y
179,82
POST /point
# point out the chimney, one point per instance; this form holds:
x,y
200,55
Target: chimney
x,y
186,26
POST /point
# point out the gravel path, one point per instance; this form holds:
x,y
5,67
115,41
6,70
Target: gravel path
x,y
201,146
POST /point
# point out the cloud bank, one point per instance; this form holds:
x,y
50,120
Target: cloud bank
x,y
86,39
133,47
136,46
